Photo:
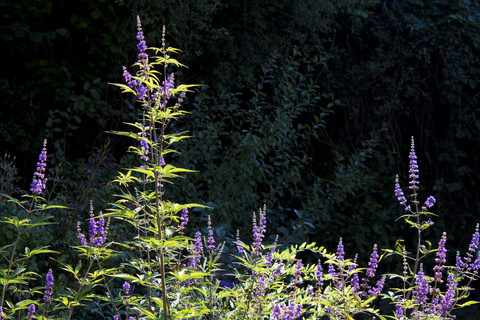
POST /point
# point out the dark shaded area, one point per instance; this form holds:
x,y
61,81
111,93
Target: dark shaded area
x,y
307,106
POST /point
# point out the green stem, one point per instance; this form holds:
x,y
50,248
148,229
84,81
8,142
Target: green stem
x,y
80,289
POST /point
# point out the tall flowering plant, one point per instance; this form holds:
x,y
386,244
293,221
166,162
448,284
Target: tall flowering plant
x,y
32,215
158,223
424,296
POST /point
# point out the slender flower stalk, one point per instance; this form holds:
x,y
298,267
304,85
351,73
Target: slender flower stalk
x,y
440,258
183,221
31,311
48,287
340,250
38,183
210,239
373,263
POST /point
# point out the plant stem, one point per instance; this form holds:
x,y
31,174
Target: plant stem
x,y
80,289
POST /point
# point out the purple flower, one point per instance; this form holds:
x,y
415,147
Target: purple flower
x,y
474,244
340,250
238,242
399,194
38,183
356,281
269,255
210,239
413,168
399,311
277,271
379,287
126,287
96,229
128,79
422,287
259,230
459,262
1,313
276,312
144,149
194,260
440,258
319,272
183,220
429,203
332,272
81,236
373,263
141,46
162,162
475,265
448,299
284,312
99,236
48,286
115,317
298,272
31,310
168,87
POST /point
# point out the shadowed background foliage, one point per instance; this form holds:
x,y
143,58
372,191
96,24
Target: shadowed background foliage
x,y
307,106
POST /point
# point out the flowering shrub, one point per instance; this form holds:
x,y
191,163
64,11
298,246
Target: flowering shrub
x,y
161,273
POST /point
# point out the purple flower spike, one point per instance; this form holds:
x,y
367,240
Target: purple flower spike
x,y
440,258
96,229
448,299
239,247
168,87
413,168
144,149
379,287
141,46
210,239
319,274
284,312
298,272
38,183
81,236
31,310
399,194
373,263
183,220
340,250
429,203
194,260
475,239
48,287
259,230
459,262
422,287
399,311
126,287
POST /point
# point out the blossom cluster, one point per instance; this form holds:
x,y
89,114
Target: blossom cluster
x,y
48,287
38,183
97,231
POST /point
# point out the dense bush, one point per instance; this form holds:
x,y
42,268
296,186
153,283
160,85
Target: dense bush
x,y
136,261
308,106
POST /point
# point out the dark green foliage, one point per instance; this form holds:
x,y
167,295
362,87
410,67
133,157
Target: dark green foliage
x,y
308,106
